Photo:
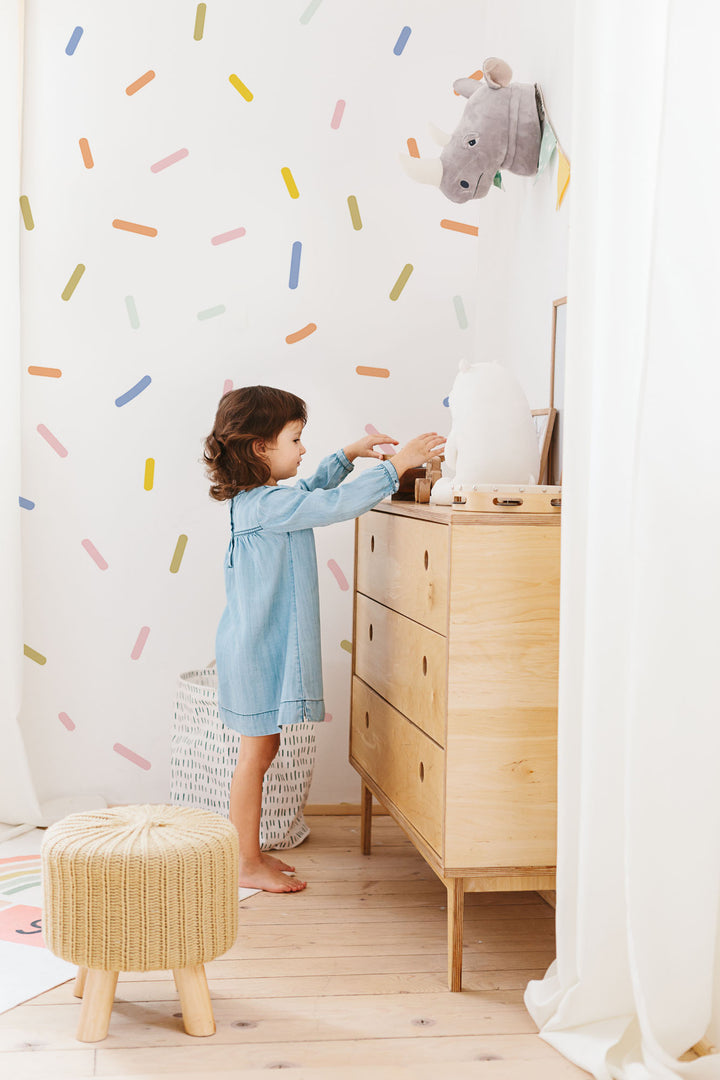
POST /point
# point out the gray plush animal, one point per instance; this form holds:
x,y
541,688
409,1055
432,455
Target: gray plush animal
x,y
500,128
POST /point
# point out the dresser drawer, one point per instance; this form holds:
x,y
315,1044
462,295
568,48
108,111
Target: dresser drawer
x,y
404,563
405,662
406,765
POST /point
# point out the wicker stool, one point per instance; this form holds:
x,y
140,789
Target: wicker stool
x,y
140,888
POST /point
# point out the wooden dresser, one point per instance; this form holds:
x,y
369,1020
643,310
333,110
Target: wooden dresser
x,y
454,693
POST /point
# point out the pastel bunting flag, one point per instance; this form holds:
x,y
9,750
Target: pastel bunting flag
x,y
563,178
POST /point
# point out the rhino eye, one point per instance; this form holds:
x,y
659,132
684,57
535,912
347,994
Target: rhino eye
x,y
464,183
471,142
471,139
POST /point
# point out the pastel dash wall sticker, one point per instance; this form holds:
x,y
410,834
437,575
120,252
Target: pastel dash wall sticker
x,y
295,265
346,645
401,281
46,372
178,553
149,478
223,238
139,645
211,312
300,334
73,42
402,40
413,148
459,226
171,159
51,440
337,115
26,212
73,281
354,213
132,312
94,554
86,153
387,448
33,654
338,575
130,755
290,183
66,722
139,83
460,312
199,28
133,392
26,504
240,86
373,372
309,11
133,227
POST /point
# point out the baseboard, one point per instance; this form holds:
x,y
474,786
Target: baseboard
x,y
336,809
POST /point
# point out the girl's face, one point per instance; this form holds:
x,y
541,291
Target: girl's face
x,y
285,454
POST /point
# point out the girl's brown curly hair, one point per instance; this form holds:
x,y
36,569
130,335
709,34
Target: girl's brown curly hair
x,y
244,415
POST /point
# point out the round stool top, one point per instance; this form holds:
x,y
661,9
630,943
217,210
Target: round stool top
x,y
140,888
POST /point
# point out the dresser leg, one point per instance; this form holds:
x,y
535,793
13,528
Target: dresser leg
x,y
455,914
366,799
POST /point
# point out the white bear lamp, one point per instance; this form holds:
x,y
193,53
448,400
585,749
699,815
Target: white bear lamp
x,y
492,439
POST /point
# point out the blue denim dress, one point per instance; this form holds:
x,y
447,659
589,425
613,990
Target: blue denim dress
x,y
268,641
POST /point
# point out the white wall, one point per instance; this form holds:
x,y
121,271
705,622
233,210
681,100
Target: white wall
x,y
85,620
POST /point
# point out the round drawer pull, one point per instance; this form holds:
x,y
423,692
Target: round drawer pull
x,y
372,543
370,632
427,560
367,720
424,665
422,772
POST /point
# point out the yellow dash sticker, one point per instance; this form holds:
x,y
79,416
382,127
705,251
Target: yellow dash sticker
x,y
290,183
241,87
32,654
401,281
199,22
26,213
346,645
354,212
150,476
178,553
72,282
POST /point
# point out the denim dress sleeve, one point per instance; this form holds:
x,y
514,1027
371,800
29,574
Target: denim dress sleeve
x,y
331,471
282,509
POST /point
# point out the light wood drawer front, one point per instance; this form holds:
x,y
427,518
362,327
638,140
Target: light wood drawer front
x,y
405,764
404,563
405,662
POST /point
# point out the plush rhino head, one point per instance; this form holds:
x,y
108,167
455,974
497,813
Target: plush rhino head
x,y
500,128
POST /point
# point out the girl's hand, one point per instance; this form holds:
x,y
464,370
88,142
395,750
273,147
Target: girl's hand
x,y
365,447
418,451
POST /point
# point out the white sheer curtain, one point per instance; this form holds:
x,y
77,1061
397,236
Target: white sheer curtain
x,y
18,801
637,978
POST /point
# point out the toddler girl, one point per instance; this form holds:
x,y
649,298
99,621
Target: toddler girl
x,y
268,640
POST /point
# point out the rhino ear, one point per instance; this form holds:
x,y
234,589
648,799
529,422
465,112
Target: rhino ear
x,y
423,170
497,72
441,137
464,365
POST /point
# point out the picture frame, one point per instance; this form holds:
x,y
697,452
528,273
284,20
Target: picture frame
x,y
557,388
544,420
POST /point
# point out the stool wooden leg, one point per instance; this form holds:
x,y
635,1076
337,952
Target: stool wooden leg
x,y
97,1005
366,798
195,1001
79,987
456,914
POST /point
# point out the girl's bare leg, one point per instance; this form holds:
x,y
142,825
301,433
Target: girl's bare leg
x,y
256,871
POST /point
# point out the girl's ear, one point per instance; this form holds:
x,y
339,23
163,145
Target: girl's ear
x,y
259,447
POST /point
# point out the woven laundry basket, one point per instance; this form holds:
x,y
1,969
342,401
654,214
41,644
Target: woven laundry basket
x,y
140,888
203,756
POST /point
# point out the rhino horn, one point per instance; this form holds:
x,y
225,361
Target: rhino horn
x,y
442,138
423,170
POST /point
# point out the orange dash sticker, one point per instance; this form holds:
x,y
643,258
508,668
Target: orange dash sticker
x,y
48,372
86,154
300,334
139,83
459,226
413,148
377,372
130,226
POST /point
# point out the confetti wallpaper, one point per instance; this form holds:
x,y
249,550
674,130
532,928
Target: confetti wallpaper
x,y
210,196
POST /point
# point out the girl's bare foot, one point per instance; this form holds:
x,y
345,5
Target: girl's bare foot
x,y
270,860
261,876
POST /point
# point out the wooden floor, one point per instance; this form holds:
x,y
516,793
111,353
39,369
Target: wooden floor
x,y
345,981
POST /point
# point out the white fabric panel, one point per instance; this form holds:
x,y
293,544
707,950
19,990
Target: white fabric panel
x,y
636,981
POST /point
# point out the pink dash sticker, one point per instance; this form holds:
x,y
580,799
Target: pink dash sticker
x,y
123,751
51,440
328,717
338,575
94,554
66,721
386,448
337,115
165,162
140,643
227,386
223,237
